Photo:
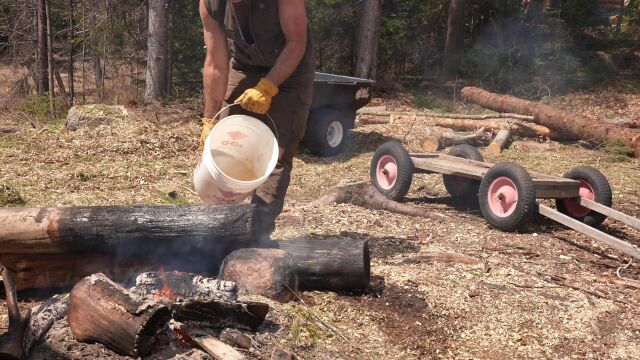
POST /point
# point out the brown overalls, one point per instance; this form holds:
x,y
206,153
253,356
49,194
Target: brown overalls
x,y
255,41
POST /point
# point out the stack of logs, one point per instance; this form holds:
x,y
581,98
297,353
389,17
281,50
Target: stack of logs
x,y
93,246
515,117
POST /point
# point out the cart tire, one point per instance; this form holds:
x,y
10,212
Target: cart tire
x,y
593,186
458,186
507,197
392,170
327,131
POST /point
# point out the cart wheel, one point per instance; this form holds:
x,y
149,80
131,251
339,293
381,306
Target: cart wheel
x,y
392,170
593,186
327,131
507,197
459,186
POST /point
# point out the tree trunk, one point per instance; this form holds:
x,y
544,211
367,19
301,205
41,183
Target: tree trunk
x,y
568,125
70,62
42,65
52,93
368,39
157,50
620,16
103,311
95,54
455,38
333,264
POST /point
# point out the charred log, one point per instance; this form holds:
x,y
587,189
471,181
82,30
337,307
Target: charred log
x,y
103,311
333,264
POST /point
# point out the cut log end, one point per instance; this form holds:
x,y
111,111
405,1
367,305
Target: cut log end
x,y
266,272
499,142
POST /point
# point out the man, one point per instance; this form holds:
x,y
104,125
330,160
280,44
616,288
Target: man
x,y
271,70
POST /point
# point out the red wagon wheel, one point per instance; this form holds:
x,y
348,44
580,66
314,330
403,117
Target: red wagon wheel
x,y
594,186
392,170
507,197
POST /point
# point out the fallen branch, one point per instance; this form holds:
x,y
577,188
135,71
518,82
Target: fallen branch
x,y
499,142
518,128
439,140
445,115
571,126
364,194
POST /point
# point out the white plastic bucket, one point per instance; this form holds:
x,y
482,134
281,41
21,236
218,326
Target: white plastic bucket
x,y
239,155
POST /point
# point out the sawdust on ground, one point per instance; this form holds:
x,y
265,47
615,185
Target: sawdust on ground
x,y
508,305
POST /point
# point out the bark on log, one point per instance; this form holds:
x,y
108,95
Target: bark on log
x,y
439,140
128,231
103,311
266,272
570,125
245,315
517,127
366,195
331,264
43,317
499,142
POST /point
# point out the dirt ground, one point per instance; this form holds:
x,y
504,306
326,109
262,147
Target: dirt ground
x,y
545,293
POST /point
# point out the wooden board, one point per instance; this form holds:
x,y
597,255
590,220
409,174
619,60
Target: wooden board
x,y
614,214
547,186
593,233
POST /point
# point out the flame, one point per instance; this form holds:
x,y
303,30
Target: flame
x,y
165,292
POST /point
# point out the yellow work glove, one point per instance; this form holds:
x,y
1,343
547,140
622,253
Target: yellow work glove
x,y
258,99
207,125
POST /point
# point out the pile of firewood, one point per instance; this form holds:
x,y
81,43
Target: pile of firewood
x,y
515,117
98,250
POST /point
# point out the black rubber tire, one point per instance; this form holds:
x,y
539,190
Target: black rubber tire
x,y
601,188
526,207
405,170
457,186
316,135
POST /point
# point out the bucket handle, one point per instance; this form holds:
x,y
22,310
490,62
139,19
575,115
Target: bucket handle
x,y
269,116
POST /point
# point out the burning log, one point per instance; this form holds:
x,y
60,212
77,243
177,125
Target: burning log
x,y
245,315
570,126
178,286
196,298
437,140
103,311
43,244
332,264
266,272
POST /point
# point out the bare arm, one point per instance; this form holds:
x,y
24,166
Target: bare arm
x,y
293,20
216,64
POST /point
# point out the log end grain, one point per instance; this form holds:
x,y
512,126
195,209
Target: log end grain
x,y
267,272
